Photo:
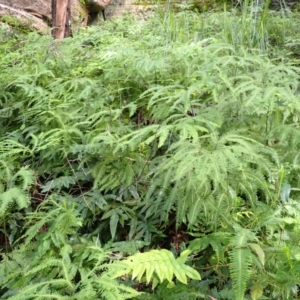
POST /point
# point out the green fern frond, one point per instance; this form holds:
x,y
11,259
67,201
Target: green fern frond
x,y
58,183
240,259
42,291
240,270
63,218
17,185
11,196
160,263
57,276
25,175
218,241
213,167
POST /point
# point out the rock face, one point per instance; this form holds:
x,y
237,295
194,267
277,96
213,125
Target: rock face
x,y
23,18
41,7
37,14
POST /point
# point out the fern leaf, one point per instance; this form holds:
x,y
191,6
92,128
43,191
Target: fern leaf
x,y
26,175
58,183
190,272
240,257
240,270
160,263
113,223
259,252
41,288
11,196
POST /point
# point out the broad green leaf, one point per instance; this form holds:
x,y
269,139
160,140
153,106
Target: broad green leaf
x,y
180,274
138,271
190,272
256,291
168,255
159,267
113,223
108,214
183,256
150,270
259,252
199,244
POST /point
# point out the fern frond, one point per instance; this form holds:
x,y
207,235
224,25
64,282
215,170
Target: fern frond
x,y
240,270
241,258
160,263
42,290
17,185
11,196
26,175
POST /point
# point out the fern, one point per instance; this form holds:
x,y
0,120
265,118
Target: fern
x,y
17,184
240,257
51,266
160,264
109,141
239,243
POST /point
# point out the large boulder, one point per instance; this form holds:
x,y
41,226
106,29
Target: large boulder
x,y
37,14
42,7
21,18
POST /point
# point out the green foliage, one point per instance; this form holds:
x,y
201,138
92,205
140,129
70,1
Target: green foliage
x,y
13,187
160,264
114,146
53,262
241,261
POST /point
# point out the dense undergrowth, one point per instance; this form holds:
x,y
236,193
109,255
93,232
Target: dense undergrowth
x,y
179,133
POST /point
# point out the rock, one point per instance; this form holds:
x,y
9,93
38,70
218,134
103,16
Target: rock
x,y
38,12
96,5
22,19
79,13
40,6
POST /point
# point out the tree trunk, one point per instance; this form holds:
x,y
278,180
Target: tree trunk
x,y
61,18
